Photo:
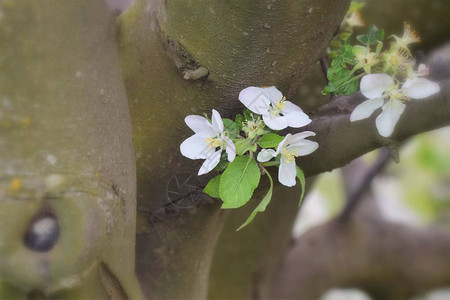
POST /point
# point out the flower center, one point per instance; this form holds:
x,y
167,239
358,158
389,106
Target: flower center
x,y
370,59
278,107
214,142
395,94
399,59
254,125
289,155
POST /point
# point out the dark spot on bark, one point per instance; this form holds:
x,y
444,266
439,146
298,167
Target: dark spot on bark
x,y
43,233
35,295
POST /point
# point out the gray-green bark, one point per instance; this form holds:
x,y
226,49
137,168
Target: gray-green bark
x,y
240,43
65,139
65,153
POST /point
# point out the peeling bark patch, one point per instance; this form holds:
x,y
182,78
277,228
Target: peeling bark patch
x,y
189,68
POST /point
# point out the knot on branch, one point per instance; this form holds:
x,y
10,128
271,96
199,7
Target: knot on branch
x,y
188,67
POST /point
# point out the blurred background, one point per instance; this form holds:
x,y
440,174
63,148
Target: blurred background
x,y
415,191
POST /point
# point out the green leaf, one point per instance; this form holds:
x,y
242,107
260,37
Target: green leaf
x,y
248,114
372,36
262,205
231,127
355,5
340,79
270,140
242,146
344,58
343,82
212,188
239,121
301,178
223,162
238,182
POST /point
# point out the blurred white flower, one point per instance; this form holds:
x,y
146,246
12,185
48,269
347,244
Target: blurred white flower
x,y
276,111
208,142
291,147
383,92
409,37
354,20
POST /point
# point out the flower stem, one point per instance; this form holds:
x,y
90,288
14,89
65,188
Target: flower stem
x,y
270,164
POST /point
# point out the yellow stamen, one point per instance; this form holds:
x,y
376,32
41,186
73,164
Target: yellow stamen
x,y
395,94
279,106
410,34
214,142
397,59
409,37
288,155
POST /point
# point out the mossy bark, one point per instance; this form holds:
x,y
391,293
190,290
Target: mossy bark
x,y
244,262
227,45
65,153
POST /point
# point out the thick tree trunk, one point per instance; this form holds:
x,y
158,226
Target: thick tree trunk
x,y
67,173
245,262
66,155
165,47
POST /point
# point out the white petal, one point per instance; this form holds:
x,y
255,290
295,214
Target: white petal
x,y
287,173
266,155
283,143
303,147
275,123
210,163
255,99
300,137
365,109
194,147
200,125
386,121
273,94
230,149
373,85
217,123
295,116
289,107
419,88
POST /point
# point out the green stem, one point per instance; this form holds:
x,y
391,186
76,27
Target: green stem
x,y
269,164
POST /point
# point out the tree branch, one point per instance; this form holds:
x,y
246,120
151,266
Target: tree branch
x,y
355,195
372,254
341,141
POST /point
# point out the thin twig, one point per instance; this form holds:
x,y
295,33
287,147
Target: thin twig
x,y
356,195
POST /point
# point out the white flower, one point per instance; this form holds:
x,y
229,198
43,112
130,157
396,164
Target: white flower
x,y
409,37
354,20
277,113
291,147
383,92
365,59
208,142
